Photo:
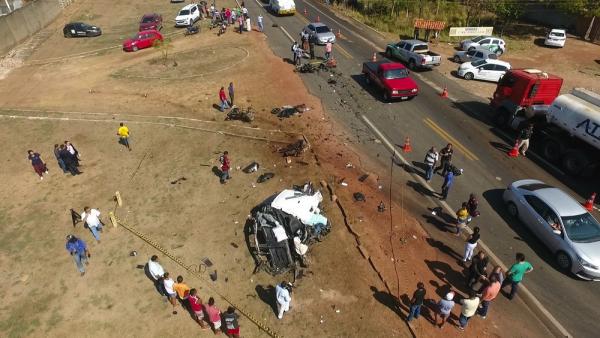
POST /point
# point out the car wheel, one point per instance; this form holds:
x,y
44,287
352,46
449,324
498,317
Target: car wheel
x,y
469,76
575,161
552,149
386,96
563,261
134,48
512,209
456,59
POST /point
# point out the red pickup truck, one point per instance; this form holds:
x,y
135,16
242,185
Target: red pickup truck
x,y
392,78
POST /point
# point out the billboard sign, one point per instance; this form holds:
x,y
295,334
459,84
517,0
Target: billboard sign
x,y
471,31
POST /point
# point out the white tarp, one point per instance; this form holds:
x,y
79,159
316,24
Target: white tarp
x,y
298,204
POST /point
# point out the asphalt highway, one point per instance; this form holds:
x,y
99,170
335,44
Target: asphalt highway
x,y
432,121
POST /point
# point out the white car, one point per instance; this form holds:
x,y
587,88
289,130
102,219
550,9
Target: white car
x,y
492,43
488,70
556,38
187,15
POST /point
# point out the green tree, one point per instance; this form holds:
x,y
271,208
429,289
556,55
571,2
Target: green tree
x,y
506,11
586,8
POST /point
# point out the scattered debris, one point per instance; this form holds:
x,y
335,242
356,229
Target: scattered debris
x,y
133,253
294,149
178,181
344,184
363,178
252,167
206,262
265,177
349,165
213,276
359,197
234,245
332,81
381,207
236,113
287,111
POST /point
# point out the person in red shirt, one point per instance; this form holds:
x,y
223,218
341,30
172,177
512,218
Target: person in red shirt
x,y
197,307
214,315
225,166
224,103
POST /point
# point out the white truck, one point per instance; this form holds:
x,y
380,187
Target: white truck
x,y
415,53
572,133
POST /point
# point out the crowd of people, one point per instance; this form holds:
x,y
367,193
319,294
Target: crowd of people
x,y
232,16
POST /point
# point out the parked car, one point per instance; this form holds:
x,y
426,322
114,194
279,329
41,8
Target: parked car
x,y
187,15
488,70
151,21
492,43
391,78
474,54
556,38
568,230
141,40
75,29
415,53
282,7
320,33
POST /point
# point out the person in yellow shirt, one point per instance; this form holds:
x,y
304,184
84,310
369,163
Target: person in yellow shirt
x,y
123,133
461,218
182,290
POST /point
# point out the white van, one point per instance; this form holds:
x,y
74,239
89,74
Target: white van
x,y
282,7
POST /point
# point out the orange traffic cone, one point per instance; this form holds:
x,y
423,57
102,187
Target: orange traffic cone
x,y
318,19
589,204
305,12
514,152
406,147
444,93
374,58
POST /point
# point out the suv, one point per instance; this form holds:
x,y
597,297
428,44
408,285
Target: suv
x,y
492,43
187,15
151,21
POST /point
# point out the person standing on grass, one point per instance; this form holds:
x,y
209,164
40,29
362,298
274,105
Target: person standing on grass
x,y
416,302
196,306
91,217
61,163
446,159
231,93
489,294
223,99
431,159
123,134
469,308
471,244
78,249
214,315
37,163
259,22
445,307
225,167
448,181
70,164
231,323
157,272
283,298
168,284
524,136
328,49
515,274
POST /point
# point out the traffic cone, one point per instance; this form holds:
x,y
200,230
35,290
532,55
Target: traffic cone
x,y
318,19
374,58
589,204
514,152
407,147
444,93
305,12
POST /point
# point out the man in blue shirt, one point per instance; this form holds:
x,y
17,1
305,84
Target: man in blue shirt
x,y
448,180
77,248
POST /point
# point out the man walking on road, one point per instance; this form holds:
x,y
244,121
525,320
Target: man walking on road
x,y
515,274
469,307
231,93
223,98
123,134
91,217
448,181
446,159
431,159
416,302
157,272
283,298
524,137
77,248
328,49
259,22
489,294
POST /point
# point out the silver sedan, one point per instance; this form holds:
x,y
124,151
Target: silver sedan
x,y
560,222
320,33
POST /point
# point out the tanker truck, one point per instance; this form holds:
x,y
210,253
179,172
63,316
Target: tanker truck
x,y
567,127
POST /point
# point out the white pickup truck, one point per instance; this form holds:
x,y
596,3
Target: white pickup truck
x,y
415,53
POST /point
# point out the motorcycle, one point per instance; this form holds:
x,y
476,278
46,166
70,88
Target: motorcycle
x,y
192,29
240,114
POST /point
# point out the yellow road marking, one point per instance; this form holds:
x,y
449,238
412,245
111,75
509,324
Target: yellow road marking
x,y
468,154
346,54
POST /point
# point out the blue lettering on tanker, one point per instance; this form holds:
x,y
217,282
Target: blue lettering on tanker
x,y
590,128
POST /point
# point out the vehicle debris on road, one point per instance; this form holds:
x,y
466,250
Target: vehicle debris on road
x,y
236,113
294,149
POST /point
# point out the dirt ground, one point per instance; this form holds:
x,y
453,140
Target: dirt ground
x,y
176,133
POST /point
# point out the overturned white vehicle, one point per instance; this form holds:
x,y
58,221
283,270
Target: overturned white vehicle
x,y
283,227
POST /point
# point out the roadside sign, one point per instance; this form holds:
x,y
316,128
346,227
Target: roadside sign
x,y
429,24
470,31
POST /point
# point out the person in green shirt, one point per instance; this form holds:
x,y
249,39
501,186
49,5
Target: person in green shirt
x,y
515,274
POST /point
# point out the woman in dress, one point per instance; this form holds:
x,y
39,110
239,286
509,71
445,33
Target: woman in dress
x,y
38,164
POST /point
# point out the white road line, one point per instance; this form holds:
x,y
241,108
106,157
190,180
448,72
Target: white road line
x,y
287,34
535,303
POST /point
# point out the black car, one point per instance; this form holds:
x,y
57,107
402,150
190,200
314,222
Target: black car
x,y
75,29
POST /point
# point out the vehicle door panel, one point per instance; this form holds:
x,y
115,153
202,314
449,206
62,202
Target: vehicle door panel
x,y
487,72
144,41
533,216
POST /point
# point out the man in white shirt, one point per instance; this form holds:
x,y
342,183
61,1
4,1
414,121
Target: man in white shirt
x,y
157,272
91,217
282,294
469,307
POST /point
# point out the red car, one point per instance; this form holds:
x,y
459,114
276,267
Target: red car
x,y
151,21
141,40
391,78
